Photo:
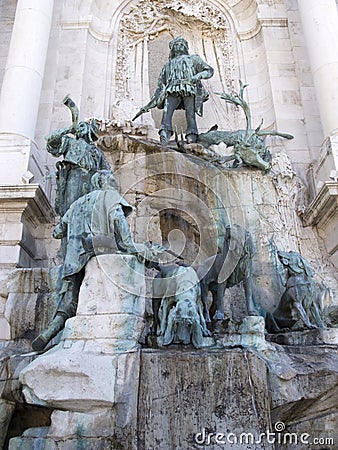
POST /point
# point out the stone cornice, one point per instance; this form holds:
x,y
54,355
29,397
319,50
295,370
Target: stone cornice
x,y
27,199
324,206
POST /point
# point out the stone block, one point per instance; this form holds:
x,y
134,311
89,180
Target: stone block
x,y
69,380
28,306
327,336
195,395
113,284
117,327
68,424
96,360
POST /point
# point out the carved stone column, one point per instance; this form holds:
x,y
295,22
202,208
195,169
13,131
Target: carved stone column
x,y
320,25
21,89
19,156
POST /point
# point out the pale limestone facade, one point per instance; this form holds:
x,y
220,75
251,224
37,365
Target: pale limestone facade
x,y
107,55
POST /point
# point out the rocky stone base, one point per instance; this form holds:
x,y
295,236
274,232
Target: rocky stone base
x,y
187,398
327,336
201,398
28,443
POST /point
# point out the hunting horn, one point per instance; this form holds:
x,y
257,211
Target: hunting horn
x,y
67,101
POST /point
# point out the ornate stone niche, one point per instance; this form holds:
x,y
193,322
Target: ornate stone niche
x,y
145,31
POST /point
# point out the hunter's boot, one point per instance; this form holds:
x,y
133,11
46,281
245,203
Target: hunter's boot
x,y
191,138
51,331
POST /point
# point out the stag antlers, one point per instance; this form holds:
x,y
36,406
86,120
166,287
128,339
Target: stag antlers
x,y
238,101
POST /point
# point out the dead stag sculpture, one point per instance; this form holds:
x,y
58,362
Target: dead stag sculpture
x,y
248,145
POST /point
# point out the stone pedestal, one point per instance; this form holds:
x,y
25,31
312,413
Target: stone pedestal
x,y
95,367
326,336
249,333
202,399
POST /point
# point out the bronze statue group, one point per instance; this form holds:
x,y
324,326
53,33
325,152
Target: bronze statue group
x,y
93,216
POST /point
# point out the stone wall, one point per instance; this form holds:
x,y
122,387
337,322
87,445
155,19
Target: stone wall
x,y
263,45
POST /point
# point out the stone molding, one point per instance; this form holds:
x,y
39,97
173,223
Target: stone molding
x,y
23,209
323,213
324,206
29,200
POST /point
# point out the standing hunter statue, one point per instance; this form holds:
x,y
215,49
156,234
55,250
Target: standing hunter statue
x,y
179,87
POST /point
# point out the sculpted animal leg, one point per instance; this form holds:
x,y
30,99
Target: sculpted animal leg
x,y
271,324
219,314
156,303
262,164
204,299
238,160
252,309
164,318
169,331
167,303
213,306
299,307
316,315
206,332
196,335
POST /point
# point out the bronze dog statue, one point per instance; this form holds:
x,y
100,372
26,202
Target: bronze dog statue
x,y
177,290
300,299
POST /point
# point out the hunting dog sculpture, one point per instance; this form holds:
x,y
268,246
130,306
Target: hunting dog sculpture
x,y
176,290
228,269
301,297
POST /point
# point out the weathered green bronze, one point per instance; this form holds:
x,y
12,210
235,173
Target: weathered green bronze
x,y
101,212
176,290
81,159
249,144
179,87
226,269
300,301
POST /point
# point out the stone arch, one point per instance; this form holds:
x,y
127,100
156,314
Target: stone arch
x,y
226,33
144,31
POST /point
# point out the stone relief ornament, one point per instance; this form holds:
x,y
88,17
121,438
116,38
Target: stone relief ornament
x,y
146,20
